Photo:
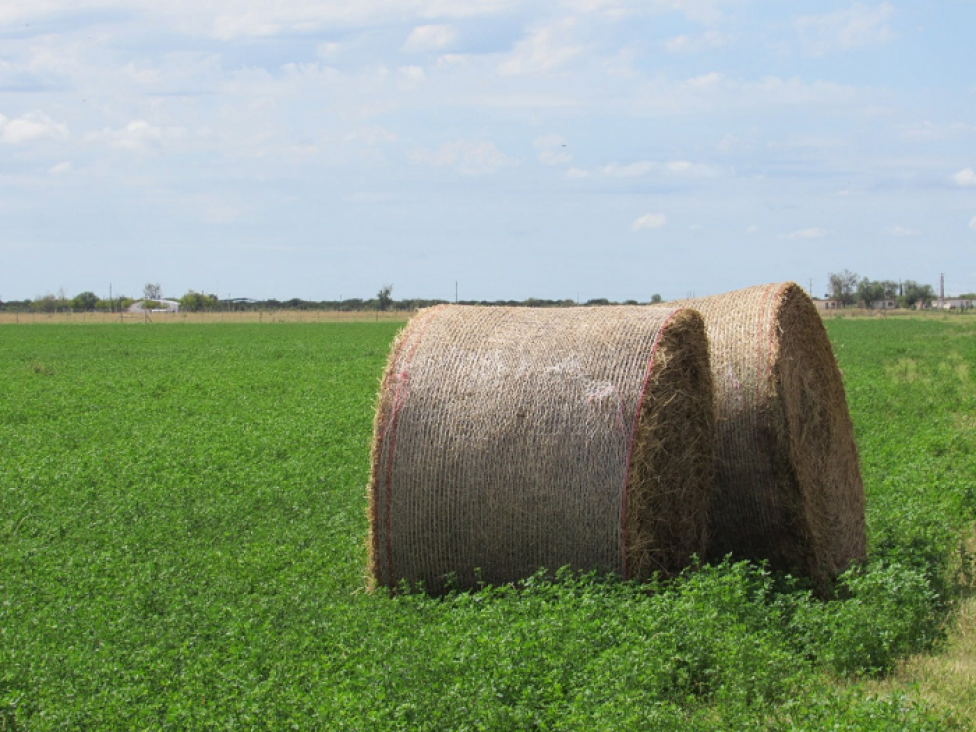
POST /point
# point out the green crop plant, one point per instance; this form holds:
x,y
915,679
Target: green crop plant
x,y
182,546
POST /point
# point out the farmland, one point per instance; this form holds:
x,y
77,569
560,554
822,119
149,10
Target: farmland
x,y
182,546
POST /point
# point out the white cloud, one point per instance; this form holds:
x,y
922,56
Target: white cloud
x,y
370,135
631,170
860,26
795,91
143,76
411,75
707,12
218,209
696,43
706,81
227,21
972,223
60,168
649,221
729,143
554,157
552,150
806,142
543,51
928,130
303,150
140,135
327,50
577,173
903,231
752,229
468,158
645,167
684,167
449,60
965,177
715,93
30,127
811,233
430,38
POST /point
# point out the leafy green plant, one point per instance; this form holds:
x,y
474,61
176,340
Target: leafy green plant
x,y
182,544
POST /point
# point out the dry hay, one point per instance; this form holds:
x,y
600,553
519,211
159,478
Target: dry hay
x,y
509,439
788,485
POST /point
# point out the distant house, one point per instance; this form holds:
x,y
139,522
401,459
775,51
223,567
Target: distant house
x,y
827,304
954,303
888,304
169,306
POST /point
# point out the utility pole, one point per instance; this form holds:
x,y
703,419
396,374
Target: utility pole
x,y
455,292
942,291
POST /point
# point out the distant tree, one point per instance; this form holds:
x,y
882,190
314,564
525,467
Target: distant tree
x,y
968,296
655,299
598,301
152,291
44,303
843,286
84,301
869,292
196,301
16,306
384,298
913,294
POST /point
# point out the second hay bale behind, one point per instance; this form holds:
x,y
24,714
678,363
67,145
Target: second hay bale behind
x,y
788,484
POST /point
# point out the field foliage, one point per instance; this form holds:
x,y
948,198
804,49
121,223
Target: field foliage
x,y
182,544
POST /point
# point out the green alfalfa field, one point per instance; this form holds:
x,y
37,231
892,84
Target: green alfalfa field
x,y
182,546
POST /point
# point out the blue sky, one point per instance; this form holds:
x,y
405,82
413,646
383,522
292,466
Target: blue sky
x,y
577,149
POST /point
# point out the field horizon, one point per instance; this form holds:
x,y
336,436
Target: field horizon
x,y
363,316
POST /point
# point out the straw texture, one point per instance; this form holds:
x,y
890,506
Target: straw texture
x,y
788,485
509,439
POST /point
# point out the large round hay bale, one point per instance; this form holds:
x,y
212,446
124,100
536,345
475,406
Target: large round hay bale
x,y
788,485
510,439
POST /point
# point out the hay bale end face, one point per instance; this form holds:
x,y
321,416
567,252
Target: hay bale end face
x,y
788,484
509,439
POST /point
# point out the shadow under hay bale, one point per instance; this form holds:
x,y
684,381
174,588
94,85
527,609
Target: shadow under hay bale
x,y
788,485
509,439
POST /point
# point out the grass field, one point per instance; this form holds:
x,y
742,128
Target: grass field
x,y
182,543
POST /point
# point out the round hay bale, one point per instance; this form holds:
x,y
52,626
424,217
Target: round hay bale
x,y
788,485
511,439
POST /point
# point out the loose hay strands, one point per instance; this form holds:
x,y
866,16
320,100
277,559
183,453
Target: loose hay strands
x,y
509,439
788,485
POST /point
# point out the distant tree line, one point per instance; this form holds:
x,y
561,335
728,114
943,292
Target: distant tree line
x,y
194,301
84,302
848,288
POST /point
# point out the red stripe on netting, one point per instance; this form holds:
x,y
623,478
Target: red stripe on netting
x,y
633,438
399,398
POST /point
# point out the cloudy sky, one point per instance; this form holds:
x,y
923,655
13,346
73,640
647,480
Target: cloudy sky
x,y
565,149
